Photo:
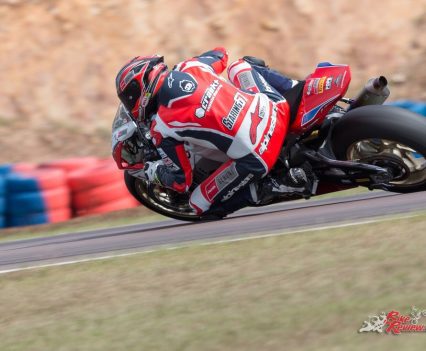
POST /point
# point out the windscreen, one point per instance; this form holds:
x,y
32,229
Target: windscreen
x,y
123,126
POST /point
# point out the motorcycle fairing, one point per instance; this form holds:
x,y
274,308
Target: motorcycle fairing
x,y
322,90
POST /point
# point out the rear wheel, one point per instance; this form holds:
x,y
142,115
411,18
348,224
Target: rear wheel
x,y
159,199
388,137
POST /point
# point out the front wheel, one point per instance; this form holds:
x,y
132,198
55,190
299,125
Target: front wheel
x,y
159,199
387,137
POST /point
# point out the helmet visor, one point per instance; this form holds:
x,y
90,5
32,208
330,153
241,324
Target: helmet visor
x,y
130,95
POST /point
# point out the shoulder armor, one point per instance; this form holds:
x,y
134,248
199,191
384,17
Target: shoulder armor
x,y
177,85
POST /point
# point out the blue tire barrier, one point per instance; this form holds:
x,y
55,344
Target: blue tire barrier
x,y
413,106
22,203
2,186
54,216
2,205
34,202
27,219
21,183
2,201
5,169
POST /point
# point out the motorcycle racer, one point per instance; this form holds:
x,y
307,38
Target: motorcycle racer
x,y
245,118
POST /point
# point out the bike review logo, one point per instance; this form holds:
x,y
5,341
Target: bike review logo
x,y
395,322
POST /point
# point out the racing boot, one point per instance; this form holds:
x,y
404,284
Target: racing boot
x,y
298,182
255,61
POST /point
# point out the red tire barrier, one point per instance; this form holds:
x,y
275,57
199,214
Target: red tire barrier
x,y
57,198
122,204
60,215
91,177
24,167
99,195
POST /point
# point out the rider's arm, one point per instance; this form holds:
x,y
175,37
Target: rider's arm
x,y
216,59
176,173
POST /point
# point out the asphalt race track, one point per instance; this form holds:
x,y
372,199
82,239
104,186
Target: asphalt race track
x,y
253,221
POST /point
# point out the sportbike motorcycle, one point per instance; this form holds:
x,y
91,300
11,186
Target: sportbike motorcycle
x,y
346,143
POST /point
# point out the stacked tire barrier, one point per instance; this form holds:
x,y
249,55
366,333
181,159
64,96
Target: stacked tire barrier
x,y
4,170
99,189
2,203
59,190
414,106
37,196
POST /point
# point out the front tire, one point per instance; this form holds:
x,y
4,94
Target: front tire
x,y
161,200
388,137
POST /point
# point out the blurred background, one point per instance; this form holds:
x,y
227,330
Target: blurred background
x,y
59,58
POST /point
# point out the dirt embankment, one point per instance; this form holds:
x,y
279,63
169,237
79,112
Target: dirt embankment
x,y
59,58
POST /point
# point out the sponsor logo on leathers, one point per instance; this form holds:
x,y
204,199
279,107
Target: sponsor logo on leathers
x,y
268,135
256,118
187,86
265,84
237,107
222,180
238,187
246,80
167,160
208,98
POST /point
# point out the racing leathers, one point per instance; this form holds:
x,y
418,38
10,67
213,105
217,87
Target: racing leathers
x,y
244,118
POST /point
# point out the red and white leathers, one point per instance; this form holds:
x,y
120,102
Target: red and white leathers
x,y
198,106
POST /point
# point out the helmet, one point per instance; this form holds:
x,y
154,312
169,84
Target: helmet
x,y
126,141
137,84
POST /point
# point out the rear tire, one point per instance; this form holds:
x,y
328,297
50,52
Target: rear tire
x,y
398,128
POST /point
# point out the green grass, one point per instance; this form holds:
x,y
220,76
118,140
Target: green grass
x,y
309,291
348,192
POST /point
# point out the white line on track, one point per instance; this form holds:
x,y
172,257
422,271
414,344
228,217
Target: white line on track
x,y
214,242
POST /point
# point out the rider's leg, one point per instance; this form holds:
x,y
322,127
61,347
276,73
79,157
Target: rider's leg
x,y
215,192
229,187
251,74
